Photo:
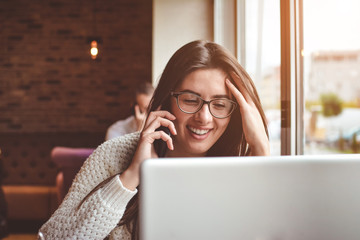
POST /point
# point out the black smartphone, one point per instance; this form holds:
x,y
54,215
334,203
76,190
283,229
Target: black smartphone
x,y
159,144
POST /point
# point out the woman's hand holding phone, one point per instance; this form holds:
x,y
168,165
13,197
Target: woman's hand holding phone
x,y
145,149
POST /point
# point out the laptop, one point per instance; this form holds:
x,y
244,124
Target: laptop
x,y
257,198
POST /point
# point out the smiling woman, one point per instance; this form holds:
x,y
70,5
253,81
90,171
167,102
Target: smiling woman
x,y
210,106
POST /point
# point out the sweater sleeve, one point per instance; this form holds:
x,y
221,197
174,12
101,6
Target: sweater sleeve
x,y
102,210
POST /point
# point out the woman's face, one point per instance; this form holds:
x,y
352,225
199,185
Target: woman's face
x,y
198,132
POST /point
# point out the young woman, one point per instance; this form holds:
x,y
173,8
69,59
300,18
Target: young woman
x,y
211,108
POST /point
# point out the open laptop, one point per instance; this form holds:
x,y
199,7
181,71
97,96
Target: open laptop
x,y
257,198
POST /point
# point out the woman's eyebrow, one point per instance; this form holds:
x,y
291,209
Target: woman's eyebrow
x,y
189,91
215,96
221,96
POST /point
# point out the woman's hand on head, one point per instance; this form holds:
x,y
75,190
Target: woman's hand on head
x,y
145,148
253,125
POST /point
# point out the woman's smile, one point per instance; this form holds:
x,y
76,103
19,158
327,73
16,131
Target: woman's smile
x,y
199,133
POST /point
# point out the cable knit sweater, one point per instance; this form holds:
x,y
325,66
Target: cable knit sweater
x,y
99,214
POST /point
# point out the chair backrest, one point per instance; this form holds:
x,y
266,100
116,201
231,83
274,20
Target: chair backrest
x,y
69,161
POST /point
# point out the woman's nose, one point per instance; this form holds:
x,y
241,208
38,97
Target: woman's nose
x,y
203,115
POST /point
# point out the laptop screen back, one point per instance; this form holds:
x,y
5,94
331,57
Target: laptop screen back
x,y
284,197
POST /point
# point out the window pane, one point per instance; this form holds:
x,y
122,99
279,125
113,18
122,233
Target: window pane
x,y
262,60
331,76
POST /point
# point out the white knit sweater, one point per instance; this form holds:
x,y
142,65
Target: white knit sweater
x,y
99,214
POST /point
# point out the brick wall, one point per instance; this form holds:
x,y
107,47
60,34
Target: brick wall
x,y
48,81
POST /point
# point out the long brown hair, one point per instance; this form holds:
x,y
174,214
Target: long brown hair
x,y
189,58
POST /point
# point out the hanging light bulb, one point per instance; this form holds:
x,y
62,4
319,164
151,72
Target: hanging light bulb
x,y
94,39
94,50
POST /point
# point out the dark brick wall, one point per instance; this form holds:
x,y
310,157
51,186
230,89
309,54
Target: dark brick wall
x,y
48,81
27,157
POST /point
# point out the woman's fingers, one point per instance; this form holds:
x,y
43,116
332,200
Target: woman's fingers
x,y
160,118
158,122
164,137
162,114
236,93
241,87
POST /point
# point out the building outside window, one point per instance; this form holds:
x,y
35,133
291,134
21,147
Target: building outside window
x,y
331,76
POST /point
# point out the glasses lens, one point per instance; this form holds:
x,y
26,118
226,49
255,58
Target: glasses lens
x,y
188,102
221,107
191,103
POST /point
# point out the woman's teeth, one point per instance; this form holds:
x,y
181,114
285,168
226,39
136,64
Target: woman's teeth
x,y
198,131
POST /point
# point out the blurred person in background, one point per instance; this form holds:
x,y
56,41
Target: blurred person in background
x,y
134,122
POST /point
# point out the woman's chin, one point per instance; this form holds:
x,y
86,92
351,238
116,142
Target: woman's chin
x,y
198,150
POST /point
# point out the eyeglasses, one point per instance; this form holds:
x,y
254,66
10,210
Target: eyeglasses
x,y
192,103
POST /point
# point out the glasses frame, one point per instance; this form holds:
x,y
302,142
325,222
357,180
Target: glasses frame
x,y
177,94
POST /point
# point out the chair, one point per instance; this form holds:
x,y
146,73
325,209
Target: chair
x,y
69,161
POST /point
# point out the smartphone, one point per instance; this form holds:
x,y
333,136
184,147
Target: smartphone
x,y
159,144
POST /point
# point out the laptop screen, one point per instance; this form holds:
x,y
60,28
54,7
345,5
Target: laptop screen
x,y
283,197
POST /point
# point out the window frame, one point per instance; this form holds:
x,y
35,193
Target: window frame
x,y
292,89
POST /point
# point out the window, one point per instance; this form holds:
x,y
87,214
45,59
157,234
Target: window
x,y
312,101
331,76
259,53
